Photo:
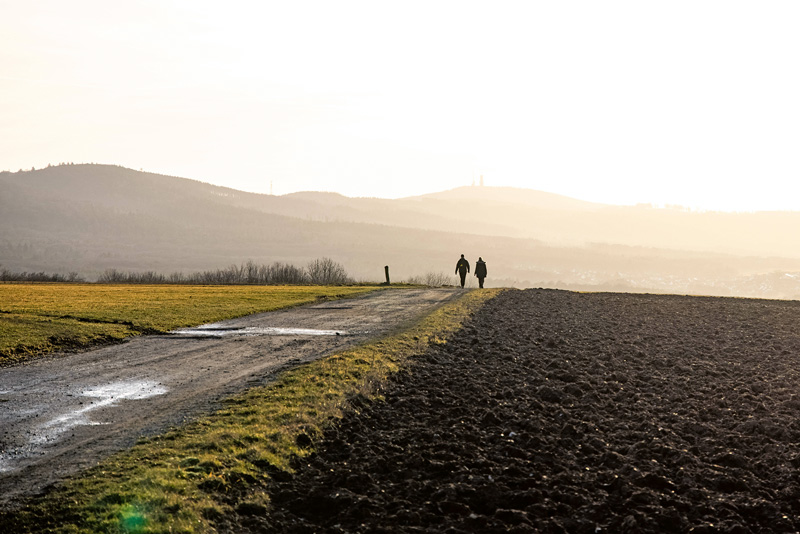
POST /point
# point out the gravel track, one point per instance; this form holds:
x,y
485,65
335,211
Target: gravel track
x,y
63,413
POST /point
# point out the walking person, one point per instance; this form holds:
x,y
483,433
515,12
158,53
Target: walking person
x,y
462,268
480,271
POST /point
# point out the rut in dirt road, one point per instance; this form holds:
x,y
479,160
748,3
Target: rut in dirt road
x,y
61,414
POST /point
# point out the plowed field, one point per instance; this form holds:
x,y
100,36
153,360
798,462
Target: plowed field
x,y
554,411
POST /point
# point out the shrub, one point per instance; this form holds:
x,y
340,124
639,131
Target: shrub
x,y
431,279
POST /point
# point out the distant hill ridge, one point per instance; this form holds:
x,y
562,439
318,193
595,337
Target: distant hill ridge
x,y
511,195
91,217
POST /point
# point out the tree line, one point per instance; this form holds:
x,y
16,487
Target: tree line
x,y
10,276
321,271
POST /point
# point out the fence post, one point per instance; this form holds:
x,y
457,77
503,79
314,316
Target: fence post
x,y
387,275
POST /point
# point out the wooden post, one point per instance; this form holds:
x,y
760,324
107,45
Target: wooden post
x,y
387,274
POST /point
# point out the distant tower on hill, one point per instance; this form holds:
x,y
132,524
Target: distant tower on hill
x,y
481,180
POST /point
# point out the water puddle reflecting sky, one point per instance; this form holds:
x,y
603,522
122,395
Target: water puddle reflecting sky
x,y
102,396
220,331
106,395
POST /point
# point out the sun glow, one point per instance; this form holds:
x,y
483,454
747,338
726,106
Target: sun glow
x,y
621,102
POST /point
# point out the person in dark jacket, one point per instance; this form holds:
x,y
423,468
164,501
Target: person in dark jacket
x,y
462,268
480,271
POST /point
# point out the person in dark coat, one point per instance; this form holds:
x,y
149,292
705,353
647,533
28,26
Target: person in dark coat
x,y
480,271
462,268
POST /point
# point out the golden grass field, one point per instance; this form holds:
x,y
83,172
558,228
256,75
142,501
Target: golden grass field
x,y
41,318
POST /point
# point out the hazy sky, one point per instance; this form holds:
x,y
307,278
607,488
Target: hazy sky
x,y
681,102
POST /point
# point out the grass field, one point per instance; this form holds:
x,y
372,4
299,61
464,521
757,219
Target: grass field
x,y
41,318
191,477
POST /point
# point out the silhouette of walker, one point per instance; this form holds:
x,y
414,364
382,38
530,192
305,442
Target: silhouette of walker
x,y
462,268
480,271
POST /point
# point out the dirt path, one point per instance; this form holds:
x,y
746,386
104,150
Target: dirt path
x,y
61,414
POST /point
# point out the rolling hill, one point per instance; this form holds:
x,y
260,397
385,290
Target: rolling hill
x,y
88,218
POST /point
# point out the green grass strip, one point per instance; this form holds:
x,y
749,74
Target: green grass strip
x,y
42,318
192,476
23,336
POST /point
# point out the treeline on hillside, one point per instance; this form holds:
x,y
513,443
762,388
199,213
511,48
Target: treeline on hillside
x,y
322,271
9,276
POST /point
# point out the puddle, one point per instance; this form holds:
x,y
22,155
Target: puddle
x,y
142,389
101,397
220,331
107,395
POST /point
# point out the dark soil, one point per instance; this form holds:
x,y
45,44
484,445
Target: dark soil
x,y
554,411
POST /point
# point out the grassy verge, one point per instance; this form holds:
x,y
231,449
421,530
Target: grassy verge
x,y
41,318
185,480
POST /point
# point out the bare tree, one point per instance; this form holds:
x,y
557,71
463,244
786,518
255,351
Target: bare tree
x,y
325,271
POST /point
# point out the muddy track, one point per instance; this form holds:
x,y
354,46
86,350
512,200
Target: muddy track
x,y
62,413
561,412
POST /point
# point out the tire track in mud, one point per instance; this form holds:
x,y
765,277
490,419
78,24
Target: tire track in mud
x,y
61,414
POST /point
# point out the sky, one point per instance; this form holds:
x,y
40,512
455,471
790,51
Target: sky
x,y
690,103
